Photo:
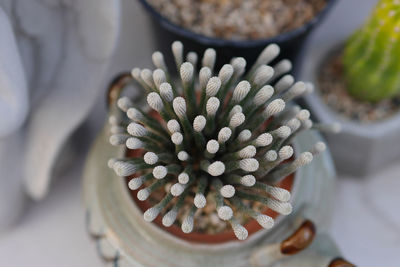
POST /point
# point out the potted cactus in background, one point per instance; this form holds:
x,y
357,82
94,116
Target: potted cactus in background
x,y
214,170
358,84
235,28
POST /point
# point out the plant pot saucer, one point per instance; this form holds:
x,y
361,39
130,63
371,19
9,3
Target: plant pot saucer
x,y
360,149
125,239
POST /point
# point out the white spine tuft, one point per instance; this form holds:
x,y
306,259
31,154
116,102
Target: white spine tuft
x,y
177,50
283,132
304,159
111,162
177,189
212,146
294,124
212,106
318,148
150,158
268,54
199,123
147,77
177,138
158,60
280,194
262,75
271,155
265,221
275,107
264,140
134,143
224,134
239,66
227,191
136,74
169,218
143,194
284,83
118,139
225,213
124,103
200,201
248,180
192,58
237,120
244,135
225,73
134,114
216,168
249,165
173,126
263,95
160,172
159,77
204,76
124,168
183,178
150,214
285,153
234,110
240,232
179,105
296,90
241,91
183,156
247,152
155,102
136,129
303,115
284,208
213,86
209,58
166,92
187,224
186,72
135,183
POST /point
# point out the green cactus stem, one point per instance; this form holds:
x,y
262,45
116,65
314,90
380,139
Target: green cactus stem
x,y
371,57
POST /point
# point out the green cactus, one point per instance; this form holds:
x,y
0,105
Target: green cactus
x,y
371,57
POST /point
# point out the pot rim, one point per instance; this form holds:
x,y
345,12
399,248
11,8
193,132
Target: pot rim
x,y
327,114
219,42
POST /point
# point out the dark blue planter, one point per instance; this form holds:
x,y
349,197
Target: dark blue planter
x,y
291,43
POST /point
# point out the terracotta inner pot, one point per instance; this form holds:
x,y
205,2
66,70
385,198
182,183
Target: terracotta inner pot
x,y
252,226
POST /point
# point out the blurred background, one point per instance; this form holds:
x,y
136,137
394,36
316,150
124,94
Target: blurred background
x,y
51,232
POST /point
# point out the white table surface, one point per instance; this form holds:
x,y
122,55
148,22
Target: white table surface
x,y
366,219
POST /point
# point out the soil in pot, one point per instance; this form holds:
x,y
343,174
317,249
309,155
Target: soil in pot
x,y
332,86
237,19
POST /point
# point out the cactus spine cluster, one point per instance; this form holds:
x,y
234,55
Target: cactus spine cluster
x,y
225,137
372,55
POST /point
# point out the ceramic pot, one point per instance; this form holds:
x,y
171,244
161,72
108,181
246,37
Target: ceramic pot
x,y
359,149
165,32
124,239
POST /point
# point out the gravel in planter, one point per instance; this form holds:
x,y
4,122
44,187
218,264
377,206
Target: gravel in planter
x,y
237,19
334,93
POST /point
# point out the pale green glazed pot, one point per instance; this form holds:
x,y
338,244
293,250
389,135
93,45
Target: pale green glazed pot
x,y
123,238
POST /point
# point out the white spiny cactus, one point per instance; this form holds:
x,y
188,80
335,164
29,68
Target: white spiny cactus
x,y
226,136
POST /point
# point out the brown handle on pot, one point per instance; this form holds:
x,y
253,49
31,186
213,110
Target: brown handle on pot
x,y
116,86
324,252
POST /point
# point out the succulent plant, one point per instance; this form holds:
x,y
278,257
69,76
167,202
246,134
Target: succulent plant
x,y
372,55
225,136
